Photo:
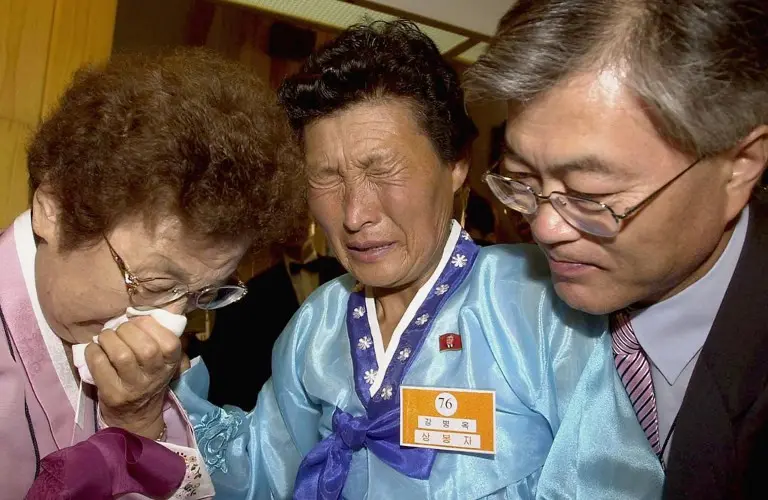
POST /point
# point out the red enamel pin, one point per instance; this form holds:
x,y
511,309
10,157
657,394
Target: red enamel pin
x,y
450,342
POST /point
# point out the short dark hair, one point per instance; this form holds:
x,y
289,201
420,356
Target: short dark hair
x,y
383,60
700,66
185,134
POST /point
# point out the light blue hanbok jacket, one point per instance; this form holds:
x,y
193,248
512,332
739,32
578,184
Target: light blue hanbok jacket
x,y
564,425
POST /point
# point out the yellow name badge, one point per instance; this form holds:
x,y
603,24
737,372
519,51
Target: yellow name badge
x,y
448,419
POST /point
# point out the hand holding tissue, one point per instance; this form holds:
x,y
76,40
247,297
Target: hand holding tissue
x,y
173,322
132,363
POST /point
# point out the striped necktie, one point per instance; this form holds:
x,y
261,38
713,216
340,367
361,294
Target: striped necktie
x,y
635,373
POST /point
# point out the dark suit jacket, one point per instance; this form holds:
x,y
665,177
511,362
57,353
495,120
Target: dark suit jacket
x,y
720,446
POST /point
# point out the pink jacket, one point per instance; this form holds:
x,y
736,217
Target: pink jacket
x,y
40,391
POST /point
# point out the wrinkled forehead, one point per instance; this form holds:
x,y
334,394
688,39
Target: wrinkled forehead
x,y
361,130
589,115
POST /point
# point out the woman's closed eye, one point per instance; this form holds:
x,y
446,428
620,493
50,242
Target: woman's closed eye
x,y
160,285
324,180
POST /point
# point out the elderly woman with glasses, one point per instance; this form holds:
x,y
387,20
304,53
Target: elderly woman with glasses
x,y
435,369
148,185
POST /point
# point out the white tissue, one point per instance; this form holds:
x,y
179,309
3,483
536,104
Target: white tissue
x,y
174,322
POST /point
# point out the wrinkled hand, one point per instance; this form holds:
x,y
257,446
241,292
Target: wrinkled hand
x,y
132,368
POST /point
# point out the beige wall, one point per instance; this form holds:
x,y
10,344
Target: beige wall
x,y
43,42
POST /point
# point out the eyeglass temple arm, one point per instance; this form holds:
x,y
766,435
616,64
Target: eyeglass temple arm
x,y
653,195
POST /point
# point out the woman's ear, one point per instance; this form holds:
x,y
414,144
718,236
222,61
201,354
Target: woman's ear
x,y
45,213
459,173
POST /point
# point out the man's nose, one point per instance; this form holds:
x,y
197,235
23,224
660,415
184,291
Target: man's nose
x,y
549,227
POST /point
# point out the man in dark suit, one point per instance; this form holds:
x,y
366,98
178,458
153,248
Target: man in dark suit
x,y
636,138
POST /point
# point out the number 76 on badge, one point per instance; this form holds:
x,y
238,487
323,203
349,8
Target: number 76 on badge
x,y
448,419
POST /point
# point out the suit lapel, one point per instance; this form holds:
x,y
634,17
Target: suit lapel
x,y
729,376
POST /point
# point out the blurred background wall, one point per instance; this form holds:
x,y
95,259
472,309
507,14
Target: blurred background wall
x,y
41,43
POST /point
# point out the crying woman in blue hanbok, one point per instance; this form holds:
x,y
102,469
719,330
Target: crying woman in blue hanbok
x,y
386,138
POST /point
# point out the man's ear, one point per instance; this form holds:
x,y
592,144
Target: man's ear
x,y
45,215
747,162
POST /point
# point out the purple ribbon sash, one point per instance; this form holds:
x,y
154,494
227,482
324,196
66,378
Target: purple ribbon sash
x,y
112,462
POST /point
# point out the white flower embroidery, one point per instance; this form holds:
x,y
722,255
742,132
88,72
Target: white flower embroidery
x,y
364,343
459,260
386,392
440,290
422,320
370,376
465,235
404,354
358,312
